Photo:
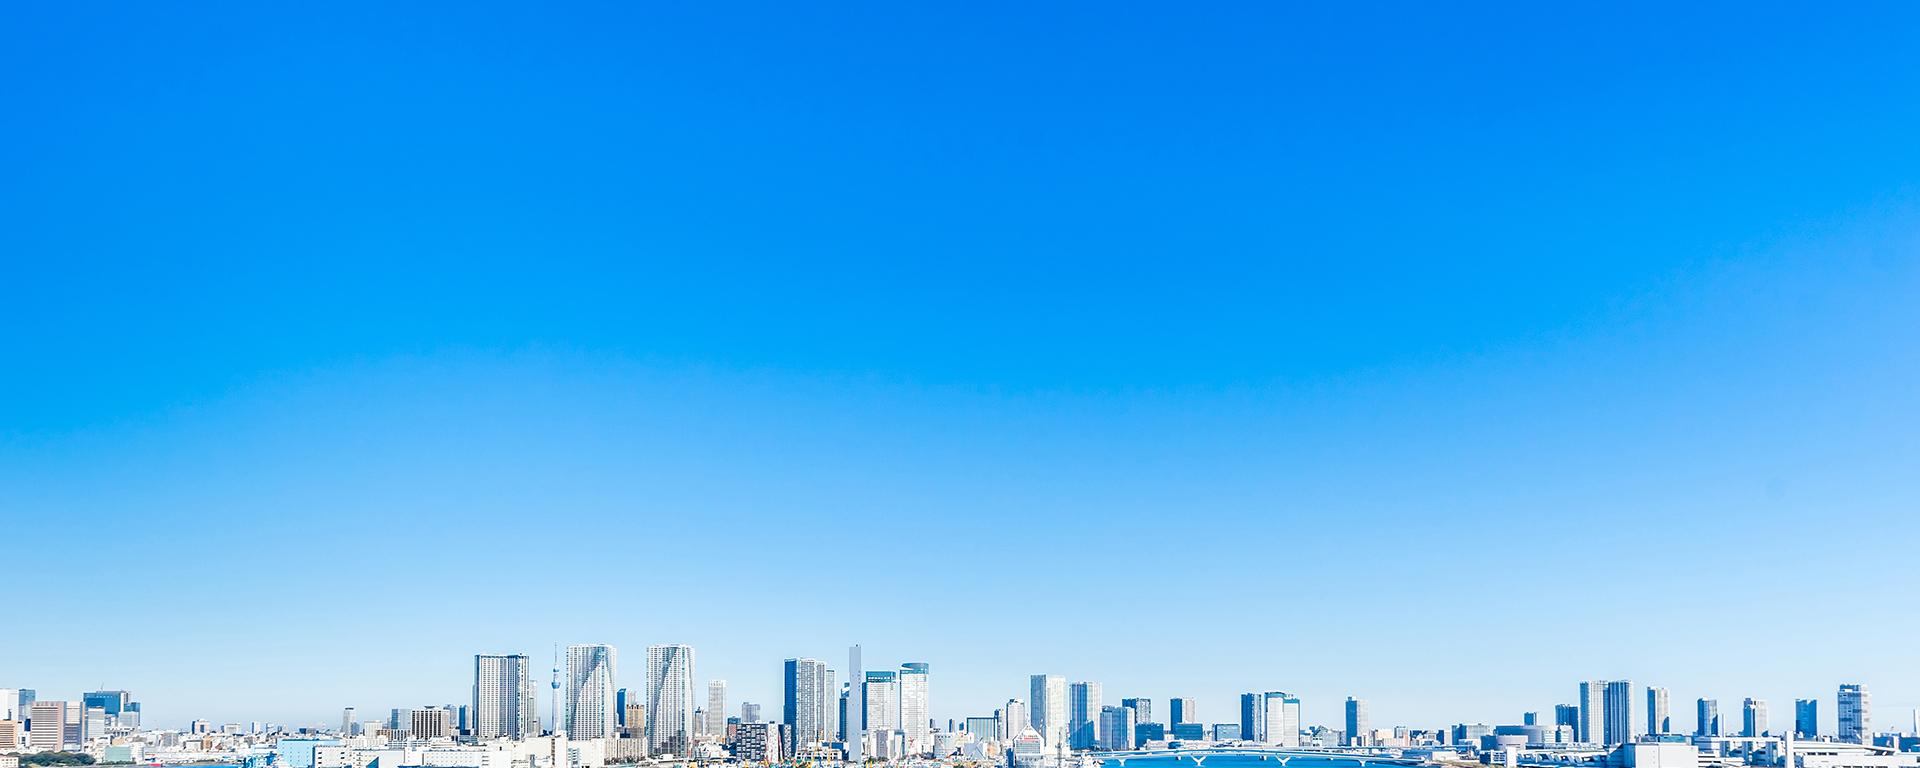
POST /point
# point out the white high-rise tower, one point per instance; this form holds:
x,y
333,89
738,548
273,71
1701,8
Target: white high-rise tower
x,y
856,708
1593,708
716,724
670,699
504,702
591,682
809,700
914,708
1047,700
1621,723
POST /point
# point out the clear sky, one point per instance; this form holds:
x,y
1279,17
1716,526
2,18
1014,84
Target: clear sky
x,y
1442,356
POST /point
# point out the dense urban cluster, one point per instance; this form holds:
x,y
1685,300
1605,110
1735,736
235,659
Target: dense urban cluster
x,y
883,716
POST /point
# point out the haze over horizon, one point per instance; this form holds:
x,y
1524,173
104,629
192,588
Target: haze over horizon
x,y
1443,357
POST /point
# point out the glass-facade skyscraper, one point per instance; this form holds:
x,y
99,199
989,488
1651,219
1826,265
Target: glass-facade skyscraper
x,y
1253,716
1620,724
1707,718
1659,718
1116,728
1356,721
1753,718
1182,710
1856,714
1271,718
1083,715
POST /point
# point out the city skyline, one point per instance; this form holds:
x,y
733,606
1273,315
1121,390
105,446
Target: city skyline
x,y
1260,715
106,725
1342,332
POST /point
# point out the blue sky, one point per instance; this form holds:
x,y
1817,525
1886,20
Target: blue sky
x,y
1438,356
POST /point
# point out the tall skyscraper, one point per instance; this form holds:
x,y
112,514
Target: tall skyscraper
x,y
1567,715
880,702
749,713
1283,719
914,707
505,699
1356,721
1083,715
849,707
591,679
1856,714
1047,699
346,722
1707,718
1182,710
1659,720
1142,709
716,707
1593,709
1014,719
1620,723
1116,728
1754,718
670,726
1806,718
809,698
1253,716
856,706
111,705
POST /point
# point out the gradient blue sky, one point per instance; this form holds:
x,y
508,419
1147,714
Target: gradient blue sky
x,y
1441,356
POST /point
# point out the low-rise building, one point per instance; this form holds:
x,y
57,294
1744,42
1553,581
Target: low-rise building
x,y
757,743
